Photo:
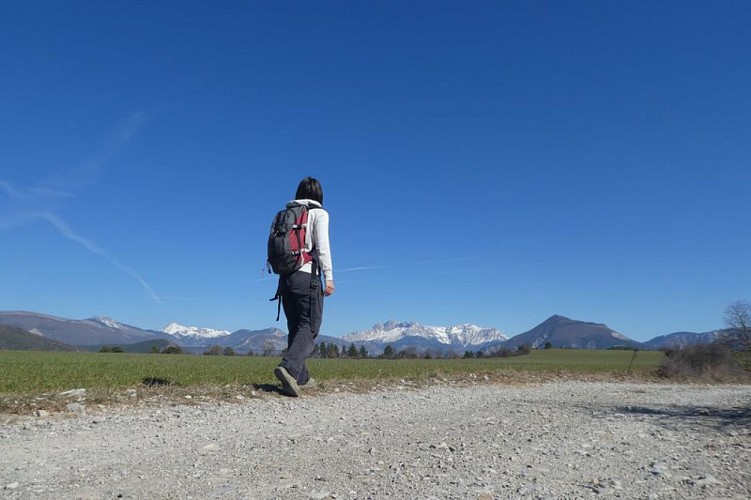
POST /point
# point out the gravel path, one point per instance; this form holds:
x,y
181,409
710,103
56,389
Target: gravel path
x,y
553,440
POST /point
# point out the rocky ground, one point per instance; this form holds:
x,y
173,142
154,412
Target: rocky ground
x,y
568,439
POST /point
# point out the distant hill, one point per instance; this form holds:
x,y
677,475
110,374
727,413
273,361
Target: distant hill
x,y
681,339
90,331
18,339
569,333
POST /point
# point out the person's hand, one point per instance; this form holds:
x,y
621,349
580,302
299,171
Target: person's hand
x,y
329,288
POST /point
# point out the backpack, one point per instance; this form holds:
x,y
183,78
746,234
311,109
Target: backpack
x,y
286,245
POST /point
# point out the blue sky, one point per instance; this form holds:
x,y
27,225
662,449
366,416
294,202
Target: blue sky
x,y
483,162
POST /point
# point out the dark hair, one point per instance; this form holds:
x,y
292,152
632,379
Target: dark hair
x,y
310,189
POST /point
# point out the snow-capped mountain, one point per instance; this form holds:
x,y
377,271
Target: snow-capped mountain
x,y
109,322
180,331
457,335
474,335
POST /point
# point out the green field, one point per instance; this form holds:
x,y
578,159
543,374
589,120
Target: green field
x,y
27,373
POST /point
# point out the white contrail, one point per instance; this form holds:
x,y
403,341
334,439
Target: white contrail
x,y
52,193
138,278
353,269
68,232
29,204
87,172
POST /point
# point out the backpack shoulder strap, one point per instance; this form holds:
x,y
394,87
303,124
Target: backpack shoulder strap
x,y
314,252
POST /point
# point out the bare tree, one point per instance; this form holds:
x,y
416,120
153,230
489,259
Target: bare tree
x,y
268,347
214,350
738,320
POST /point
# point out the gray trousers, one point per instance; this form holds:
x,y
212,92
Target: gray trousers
x,y
302,299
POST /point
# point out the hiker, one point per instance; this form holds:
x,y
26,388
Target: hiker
x,y
301,291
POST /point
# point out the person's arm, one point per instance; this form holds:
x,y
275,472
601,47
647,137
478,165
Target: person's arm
x,y
321,242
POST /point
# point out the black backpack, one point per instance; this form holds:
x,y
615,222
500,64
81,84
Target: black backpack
x,y
286,245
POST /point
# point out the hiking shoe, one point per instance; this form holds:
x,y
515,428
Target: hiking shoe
x,y
289,384
309,384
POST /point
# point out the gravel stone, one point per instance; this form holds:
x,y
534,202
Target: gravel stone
x,y
76,408
74,393
569,439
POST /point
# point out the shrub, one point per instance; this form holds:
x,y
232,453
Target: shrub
x,y
507,352
172,349
107,348
502,352
408,353
702,361
523,349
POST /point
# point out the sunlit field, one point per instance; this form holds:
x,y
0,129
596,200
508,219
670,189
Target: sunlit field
x,y
27,372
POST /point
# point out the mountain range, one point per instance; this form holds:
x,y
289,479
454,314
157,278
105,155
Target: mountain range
x,y
459,336
556,331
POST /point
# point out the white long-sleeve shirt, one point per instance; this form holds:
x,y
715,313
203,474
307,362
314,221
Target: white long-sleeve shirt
x,y
317,236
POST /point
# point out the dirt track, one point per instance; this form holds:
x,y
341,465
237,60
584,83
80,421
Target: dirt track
x,y
554,440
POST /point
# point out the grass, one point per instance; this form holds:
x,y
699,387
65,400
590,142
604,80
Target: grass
x,y
553,361
27,372
30,372
33,380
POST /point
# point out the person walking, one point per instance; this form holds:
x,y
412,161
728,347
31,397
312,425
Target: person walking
x,y
302,292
